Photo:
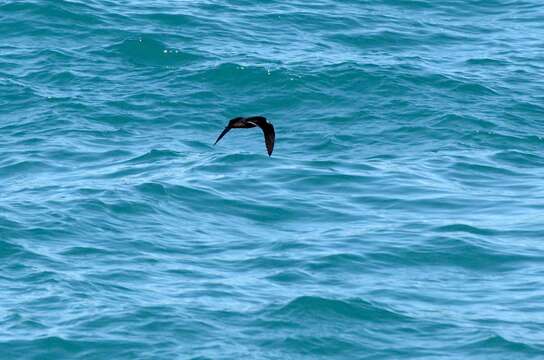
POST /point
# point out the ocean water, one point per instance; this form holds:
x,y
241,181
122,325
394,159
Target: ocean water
x,y
401,215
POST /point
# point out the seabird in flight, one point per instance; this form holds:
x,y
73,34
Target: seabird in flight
x,y
250,122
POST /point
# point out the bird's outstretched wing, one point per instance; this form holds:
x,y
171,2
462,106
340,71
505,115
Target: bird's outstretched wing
x,y
225,130
268,130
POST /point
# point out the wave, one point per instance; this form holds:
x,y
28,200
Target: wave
x,y
314,308
154,155
471,253
71,13
62,346
8,249
152,52
497,345
26,167
465,228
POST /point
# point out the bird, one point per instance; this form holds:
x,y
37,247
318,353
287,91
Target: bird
x,y
251,122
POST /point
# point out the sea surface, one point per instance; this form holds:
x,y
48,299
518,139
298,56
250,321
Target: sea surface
x,y
401,215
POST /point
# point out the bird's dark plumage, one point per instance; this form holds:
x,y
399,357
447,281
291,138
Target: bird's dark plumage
x,y
250,122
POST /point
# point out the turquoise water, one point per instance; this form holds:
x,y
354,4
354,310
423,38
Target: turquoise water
x,y
400,216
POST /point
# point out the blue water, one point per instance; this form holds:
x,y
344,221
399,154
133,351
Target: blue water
x,y
401,215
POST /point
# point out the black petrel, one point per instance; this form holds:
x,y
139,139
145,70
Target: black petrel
x,y
251,122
